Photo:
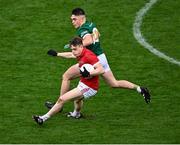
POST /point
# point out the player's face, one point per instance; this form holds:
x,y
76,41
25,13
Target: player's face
x,y
76,21
76,50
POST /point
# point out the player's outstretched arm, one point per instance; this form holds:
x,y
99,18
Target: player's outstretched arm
x,y
66,55
52,52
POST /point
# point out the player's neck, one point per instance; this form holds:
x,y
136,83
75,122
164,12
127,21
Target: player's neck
x,y
83,21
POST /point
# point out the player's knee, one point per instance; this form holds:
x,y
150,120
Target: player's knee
x,y
114,84
60,100
66,76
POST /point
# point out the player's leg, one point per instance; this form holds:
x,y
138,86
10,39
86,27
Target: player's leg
x,y
109,77
71,73
71,95
78,104
111,80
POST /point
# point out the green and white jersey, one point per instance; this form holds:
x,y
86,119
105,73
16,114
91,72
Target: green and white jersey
x,y
90,28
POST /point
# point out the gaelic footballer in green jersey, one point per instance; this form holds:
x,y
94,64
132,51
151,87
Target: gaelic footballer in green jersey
x,y
91,41
90,28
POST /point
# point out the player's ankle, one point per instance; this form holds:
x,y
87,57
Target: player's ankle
x,y
45,117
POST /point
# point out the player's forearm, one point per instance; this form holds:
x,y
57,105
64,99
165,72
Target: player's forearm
x,y
66,55
87,43
97,71
88,40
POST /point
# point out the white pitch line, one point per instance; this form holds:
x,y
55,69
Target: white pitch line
x,y
139,37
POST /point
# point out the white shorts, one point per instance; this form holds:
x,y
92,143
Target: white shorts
x,y
103,60
87,91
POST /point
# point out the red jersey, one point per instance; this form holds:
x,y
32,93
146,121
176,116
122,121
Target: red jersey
x,y
89,57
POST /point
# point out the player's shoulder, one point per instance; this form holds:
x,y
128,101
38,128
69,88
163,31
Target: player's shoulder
x,y
89,52
90,55
87,26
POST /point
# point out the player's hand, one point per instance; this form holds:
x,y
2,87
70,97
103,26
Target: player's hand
x,y
85,73
66,46
52,52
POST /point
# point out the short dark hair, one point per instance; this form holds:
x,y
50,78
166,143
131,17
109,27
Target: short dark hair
x,y
76,41
78,12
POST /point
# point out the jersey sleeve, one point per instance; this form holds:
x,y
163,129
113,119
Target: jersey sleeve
x,y
83,32
86,29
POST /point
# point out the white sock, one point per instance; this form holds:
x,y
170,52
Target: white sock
x,y
45,117
75,113
138,89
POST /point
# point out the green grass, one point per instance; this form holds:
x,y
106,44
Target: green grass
x,y
28,77
165,26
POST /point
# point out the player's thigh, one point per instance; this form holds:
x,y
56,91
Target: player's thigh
x,y
72,95
72,72
104,62
109,78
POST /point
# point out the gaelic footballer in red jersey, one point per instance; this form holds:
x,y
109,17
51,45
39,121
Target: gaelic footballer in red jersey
x,y
88,57
88,84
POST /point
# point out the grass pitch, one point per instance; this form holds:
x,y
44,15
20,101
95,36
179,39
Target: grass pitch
x,y
28,77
